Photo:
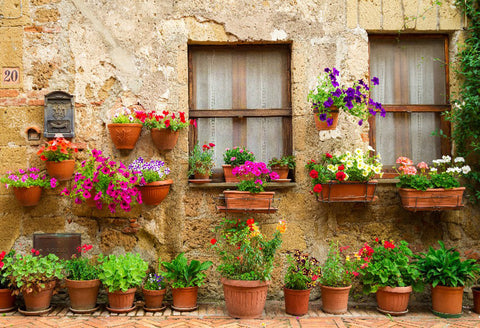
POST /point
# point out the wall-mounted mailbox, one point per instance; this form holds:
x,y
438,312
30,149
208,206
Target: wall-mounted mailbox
x,y
59,115
64,245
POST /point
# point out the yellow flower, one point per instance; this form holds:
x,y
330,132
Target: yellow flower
x,y
347,258
255,231
282,226
357,256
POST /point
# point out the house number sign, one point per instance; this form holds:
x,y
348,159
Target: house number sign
x,y
10,76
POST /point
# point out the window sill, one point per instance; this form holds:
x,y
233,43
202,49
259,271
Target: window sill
x,y
387,181
225,185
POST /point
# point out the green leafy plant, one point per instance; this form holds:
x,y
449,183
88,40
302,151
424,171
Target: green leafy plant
x,y
154,281
302,272
388,265
125,115
288,161
339,269
201,159
32,272
444,267
121,272
81,268
182,274
237,156
245,253
6,259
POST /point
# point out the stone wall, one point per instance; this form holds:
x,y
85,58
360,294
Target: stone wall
x,y
105,52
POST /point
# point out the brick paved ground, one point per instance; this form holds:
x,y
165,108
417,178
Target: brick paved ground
x,y
213,315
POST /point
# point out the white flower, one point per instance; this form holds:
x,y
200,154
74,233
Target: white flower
x,y
446,158
349,163
359,152
116,115
433,169
436,161
459,159
466,169
130,118
365,173
346,176
370,148
377,170
360,165
348,154
331,168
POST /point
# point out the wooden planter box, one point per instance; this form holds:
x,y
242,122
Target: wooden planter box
x,y
439,199
244,201
349,191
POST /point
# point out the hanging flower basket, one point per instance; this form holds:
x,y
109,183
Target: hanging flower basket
x,y
164,139
323,125
439,199
28,196
125,135
349,191
155,192
61,171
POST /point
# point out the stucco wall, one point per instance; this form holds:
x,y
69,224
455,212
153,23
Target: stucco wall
x,y
105,52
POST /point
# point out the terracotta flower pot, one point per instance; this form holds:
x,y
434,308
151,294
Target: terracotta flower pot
x,y
153,298
335,299
28,196
125,135
245,299
476,299
235,199
323,125
61,170
38,301
348,191
185,299
7,300
393,300
227,172
119,300
296,301
200,176
447,301
83,293
164,139
155,192
282,171
431,199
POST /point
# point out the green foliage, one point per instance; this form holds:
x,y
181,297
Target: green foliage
x,y
419,182
5,258
121,272
283,161
302,272
245,253
444,267
388,265
237,156
154,282
32,272
181,274
201,159
81,268
339,269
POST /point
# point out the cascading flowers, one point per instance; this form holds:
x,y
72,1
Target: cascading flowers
x,y
150,171
106,181
254,175
28,178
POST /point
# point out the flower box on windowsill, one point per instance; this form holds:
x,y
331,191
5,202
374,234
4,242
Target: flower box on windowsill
x,y
438,199
244,201
349,191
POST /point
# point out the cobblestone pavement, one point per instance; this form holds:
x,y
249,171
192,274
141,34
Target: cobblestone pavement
x,y
213,315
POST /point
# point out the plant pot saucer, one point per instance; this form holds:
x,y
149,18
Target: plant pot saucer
x,y
188,309
282,180
29,313
155,309
121,310
84,311
392,312
7,309
446,315
199,180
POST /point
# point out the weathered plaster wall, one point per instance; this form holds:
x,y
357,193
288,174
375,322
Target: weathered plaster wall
x,y
105,52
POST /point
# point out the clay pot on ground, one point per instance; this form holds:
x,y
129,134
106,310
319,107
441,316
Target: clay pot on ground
x,y
185,299
296,301
335,299
154,193
125,135
164,139
323,125
28,196
282,171
153,298
83,293
119,301
348,191
476,299
235,199
61,171
245,299
393,300
38,301
431,199
7,300
447,301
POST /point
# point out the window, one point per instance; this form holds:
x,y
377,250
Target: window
x,y
240,96
413,88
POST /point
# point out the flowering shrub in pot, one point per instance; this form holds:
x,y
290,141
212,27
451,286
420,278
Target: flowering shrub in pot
x,y
154,185
35,276
100,181
165,128
338,272
448,274
126,127
282,165
201,161
329,96
233,157
345,177
246,263
388,271
58,157
185,279
154,289
121,274
7,297
302,274
28,184
82,281
424,188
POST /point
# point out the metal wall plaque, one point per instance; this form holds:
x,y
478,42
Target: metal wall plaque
x,y
64,245
59,115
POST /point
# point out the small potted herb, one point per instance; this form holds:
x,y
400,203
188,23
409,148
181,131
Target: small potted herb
x,y
282,166
154,185
154,292
126,127
185,279
165,128
201,162
233,157
58,157
121,274
302,275
7,296
28,184
82,281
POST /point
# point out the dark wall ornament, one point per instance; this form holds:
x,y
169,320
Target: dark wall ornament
x,y
59,115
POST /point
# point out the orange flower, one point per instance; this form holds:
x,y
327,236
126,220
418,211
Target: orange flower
x,y
282,226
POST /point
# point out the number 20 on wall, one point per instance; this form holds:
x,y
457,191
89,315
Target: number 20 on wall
x,y
10,75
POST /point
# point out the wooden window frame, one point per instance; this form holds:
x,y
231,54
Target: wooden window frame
x,y
445,144
239,112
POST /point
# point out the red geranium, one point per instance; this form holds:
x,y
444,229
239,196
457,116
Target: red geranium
x,y
317,188
340,175
341,167
328,155
313,174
